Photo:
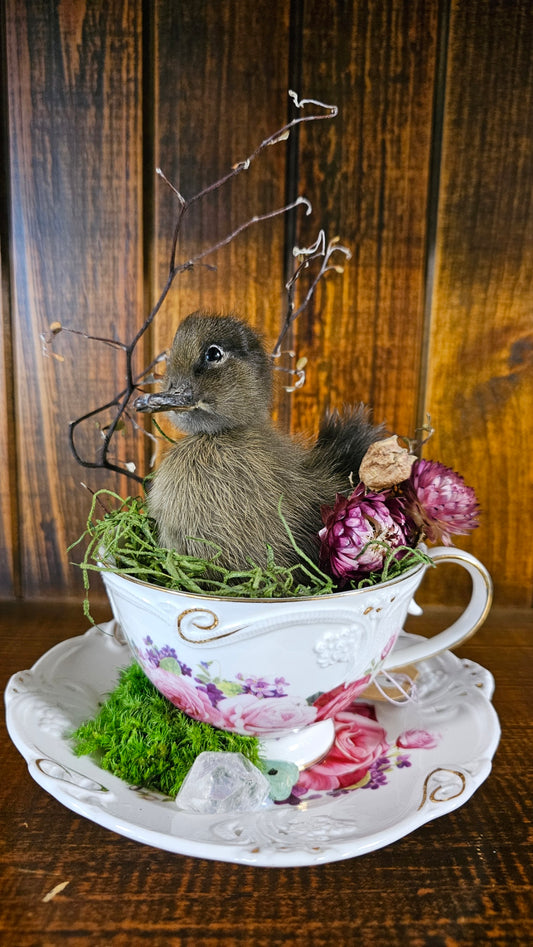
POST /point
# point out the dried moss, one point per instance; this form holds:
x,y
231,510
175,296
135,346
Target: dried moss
x,y
124,540
139,736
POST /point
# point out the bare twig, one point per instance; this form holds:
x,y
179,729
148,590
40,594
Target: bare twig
x,y
120,401
415,445
318,251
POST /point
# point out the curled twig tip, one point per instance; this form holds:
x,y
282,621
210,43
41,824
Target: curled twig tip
x,y
306,202
301,103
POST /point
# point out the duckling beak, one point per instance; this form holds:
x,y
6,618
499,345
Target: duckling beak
x,y
173,400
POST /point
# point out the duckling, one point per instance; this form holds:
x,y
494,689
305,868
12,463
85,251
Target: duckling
x,y
224,481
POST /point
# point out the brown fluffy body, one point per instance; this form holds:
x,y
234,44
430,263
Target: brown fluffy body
x,y
223,482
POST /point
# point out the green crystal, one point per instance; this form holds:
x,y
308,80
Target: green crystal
x,y
282,777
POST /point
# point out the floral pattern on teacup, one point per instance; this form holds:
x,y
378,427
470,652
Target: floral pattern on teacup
x,y
361,756
249,705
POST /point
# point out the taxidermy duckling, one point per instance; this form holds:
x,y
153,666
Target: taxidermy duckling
x,y
224,481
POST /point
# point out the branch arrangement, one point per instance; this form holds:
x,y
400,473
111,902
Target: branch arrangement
x,y
320,253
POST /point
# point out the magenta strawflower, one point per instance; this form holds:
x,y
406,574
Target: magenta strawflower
x,y
439,502
355,530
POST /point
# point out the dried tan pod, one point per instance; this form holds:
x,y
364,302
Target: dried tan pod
x,y
385,464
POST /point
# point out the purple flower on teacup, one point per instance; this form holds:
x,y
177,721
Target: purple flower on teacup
x,y
417,740
212,691
439,502
155,655
259,687
252,715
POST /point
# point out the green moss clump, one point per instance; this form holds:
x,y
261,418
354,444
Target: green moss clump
x,y
124,540
139,736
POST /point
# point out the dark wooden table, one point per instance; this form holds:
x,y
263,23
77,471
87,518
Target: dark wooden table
x,y
465,878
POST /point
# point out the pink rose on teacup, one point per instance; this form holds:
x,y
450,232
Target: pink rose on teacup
x,y
331,702
252,715
183,694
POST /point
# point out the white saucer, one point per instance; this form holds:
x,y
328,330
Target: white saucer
x,y
65,686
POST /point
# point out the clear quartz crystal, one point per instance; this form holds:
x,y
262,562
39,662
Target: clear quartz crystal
x,y
222,782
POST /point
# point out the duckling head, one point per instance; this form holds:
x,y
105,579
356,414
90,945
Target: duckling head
x,y
218,377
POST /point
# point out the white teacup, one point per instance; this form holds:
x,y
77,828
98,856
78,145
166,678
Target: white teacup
x,y
273,667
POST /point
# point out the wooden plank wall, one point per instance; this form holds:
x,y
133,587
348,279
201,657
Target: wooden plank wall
x,y
75,148
480,360
223,108
368,177
426,175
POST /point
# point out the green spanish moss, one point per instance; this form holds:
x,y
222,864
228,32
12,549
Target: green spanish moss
x,y
123,539
139,736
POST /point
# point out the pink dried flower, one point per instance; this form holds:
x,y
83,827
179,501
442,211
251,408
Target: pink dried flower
x,y
439,502
354,531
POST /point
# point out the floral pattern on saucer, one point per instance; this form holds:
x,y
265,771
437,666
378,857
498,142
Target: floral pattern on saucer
x,y
361,756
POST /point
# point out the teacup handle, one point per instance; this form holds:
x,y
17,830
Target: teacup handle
x,y
466,625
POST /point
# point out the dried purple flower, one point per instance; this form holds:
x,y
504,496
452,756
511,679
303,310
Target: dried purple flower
x,y
358,533
439,502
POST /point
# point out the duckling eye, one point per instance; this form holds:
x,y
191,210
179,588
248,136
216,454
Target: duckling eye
x,y
214,354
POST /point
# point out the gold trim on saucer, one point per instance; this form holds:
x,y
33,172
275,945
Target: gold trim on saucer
x,y
433,797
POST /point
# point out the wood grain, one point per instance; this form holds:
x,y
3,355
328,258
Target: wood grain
x,y
480,378
464,879
75,144
221,81
367,176
8,507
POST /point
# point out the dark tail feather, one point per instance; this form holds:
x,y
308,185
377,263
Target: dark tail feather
x,y
344,438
